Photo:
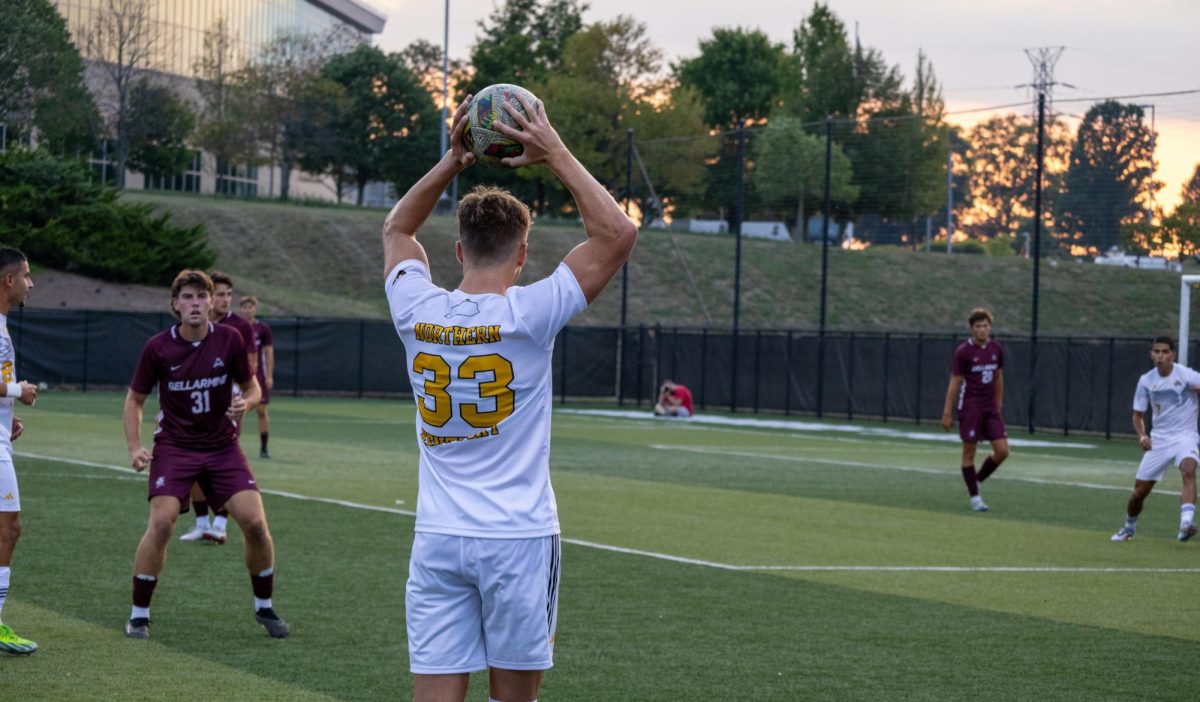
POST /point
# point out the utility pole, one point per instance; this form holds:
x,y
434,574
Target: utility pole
x,y
738,214
1043,60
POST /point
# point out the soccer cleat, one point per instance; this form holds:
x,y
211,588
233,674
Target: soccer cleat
x,y
11,643
264,454
978,505
276,627
195,534
138,628
1125,534
1187,531
217,537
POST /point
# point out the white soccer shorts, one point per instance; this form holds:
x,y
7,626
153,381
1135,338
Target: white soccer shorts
x,y
1155,461
476,603
10,496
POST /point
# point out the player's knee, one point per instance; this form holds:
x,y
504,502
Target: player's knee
x,y
255,529
161,527
999,454
10,530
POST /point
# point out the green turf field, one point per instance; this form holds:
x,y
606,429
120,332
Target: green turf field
x,y
699,562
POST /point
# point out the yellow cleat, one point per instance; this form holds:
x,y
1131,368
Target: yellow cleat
x,y
11,643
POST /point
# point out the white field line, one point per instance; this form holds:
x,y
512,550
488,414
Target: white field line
x,y
681,559
796,425
888,466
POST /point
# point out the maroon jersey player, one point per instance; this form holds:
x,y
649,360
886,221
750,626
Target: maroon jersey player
x,y
977,392
222,299
265,343
195,366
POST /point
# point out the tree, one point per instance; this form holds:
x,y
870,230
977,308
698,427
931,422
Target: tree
x,y
1110,176
1002,158
389,128
1191,189
41,79
824,76
522,41
124,41
789,171
737,76
225,125
283,94
159,126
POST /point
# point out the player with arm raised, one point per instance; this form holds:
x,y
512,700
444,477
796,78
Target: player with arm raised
x,y
483,574
1170,389
977,391
194,366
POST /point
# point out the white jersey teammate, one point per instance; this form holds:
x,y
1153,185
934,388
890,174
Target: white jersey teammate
x,y
15,284
1171,390
483,575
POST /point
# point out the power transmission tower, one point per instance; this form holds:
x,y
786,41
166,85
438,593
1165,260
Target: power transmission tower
x,y
1043,60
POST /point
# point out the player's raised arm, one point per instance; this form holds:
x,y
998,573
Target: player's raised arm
x,y
139,457
400,228
611,236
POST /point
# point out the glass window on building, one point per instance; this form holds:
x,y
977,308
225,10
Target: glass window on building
x,y
186,182
237,180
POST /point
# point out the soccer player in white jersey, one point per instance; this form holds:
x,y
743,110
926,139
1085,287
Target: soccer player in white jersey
x,y
483,575
15,285
1171,390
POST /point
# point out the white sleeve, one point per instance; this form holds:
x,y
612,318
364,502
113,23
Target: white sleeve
x,y
405,286
1141,396
546,306
1191,377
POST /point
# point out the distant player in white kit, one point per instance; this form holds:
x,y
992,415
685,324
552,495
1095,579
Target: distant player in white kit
x,y
15,285
483,577
1171,390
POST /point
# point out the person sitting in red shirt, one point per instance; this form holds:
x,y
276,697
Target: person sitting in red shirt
x,y
674,400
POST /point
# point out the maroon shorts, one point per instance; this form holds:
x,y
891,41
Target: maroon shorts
x,y
221,474
976,425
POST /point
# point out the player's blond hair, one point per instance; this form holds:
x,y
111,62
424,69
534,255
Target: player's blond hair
x,y
189,277
491,224
978,314
248,299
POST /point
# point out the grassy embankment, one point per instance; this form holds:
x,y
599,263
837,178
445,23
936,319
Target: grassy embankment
x,y
327,261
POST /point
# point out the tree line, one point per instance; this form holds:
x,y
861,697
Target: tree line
x,y
332,105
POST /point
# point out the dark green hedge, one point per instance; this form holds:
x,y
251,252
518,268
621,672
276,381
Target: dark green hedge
x,y
50,209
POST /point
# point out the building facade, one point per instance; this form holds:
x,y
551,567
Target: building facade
x,y
179,28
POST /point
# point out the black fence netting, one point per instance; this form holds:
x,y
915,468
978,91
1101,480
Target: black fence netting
x,y
1058,384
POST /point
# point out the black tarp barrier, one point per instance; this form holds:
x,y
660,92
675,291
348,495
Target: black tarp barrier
x,y
1069,384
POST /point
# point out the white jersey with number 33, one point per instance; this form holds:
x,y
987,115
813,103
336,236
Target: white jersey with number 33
x,y
480,368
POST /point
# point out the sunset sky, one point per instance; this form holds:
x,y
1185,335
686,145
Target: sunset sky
x,y
1113,48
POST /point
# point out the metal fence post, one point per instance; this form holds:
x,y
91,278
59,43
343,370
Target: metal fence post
x,y
787,376
86,329
703,363
1112,350
1067,391
641,360
362,342
887,355
850,381
296,360
757,362
917,403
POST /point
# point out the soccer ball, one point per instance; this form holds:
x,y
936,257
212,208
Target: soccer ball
x,y
488,144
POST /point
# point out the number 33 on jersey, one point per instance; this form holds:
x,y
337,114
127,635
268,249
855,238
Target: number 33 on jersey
x,y
482,380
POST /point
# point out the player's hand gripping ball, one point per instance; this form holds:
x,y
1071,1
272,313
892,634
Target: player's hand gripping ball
x,y
481,137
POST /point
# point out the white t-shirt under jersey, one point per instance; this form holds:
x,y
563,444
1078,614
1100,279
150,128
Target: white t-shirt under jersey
x,y
8,374
480,368
1173,398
